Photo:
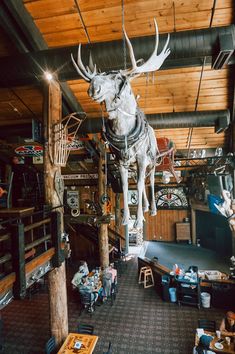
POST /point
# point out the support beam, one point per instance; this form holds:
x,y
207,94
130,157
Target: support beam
x,y
126,239
188,49
220,119
18,260
103,229
56,277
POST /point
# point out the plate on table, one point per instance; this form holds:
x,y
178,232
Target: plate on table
x,y
219,346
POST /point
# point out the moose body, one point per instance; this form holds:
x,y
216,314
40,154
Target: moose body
x,y
130,136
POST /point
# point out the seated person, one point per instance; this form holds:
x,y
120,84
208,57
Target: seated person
x,y
86,287
82,271
227,326
83,268
203,346
77,278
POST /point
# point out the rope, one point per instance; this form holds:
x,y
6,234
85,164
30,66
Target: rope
x,y
196,104
123,36
82,21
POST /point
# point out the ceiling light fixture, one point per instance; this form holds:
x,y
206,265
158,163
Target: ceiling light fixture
x,y
48,75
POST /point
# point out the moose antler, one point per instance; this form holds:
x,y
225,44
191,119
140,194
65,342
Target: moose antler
x,y
87,74
153,63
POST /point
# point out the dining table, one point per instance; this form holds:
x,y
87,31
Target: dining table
x,y
76,343
226,348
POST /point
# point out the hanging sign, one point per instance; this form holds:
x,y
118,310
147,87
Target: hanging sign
x,y
81,176
29,150
75,145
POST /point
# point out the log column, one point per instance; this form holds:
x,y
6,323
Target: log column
x,y
233,139
103,229
57,277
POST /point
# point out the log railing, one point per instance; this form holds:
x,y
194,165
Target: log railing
x,y
28,250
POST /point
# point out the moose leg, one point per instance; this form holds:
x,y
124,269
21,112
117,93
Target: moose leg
x,y
140,187
146,203
124,178
153,209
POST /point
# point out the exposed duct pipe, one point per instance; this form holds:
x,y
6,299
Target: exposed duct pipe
x,y
219,119
188,48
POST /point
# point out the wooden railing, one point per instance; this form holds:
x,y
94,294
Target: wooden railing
x,y
29,248
115,238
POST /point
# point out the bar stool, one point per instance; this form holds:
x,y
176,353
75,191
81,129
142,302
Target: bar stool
x,y
148,277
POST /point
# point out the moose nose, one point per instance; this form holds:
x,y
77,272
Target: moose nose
x,y
94,89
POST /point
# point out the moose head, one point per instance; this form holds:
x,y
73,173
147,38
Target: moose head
x,y
110,86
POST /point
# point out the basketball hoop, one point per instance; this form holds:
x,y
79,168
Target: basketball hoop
x,y
64,134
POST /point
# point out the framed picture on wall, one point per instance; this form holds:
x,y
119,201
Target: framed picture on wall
x,y
132,197
171,198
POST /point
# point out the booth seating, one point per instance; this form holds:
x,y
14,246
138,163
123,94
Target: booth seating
x,y
147,274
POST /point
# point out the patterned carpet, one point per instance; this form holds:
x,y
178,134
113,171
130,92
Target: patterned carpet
x,y
139,321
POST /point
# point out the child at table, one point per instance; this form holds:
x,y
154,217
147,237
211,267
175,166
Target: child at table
x,y
203,346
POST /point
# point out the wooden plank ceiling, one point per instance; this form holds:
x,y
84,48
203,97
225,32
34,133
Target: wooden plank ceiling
x,y
69,22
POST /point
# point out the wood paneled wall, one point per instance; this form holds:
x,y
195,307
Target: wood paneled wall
x,y
162,226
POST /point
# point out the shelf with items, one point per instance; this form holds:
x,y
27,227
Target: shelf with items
x,y
188,292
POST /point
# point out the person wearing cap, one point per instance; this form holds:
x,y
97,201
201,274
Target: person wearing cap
x,y
227,326
203,346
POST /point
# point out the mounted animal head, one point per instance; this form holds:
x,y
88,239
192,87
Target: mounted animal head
x,y
114,87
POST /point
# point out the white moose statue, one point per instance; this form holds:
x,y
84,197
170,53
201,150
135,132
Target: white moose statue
x,y
128,133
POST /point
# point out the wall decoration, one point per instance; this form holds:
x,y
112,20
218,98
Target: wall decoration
x,y
132,197
29,150
131,139
171,198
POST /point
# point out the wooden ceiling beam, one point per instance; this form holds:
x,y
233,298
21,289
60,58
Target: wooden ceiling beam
x,y
26,36
23,31
188,50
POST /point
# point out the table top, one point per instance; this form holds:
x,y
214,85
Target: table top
x,y
88,344
229,349
16,212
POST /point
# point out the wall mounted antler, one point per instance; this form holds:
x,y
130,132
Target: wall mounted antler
x,y
128,133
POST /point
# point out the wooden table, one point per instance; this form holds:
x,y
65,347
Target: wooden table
x,y
88,344
227,349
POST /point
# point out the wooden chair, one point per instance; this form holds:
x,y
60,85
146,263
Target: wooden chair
x,y
50,346
109,349
85,328
87,302
208,325
147,274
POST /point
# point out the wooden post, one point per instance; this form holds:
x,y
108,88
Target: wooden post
x,y
18,260
117,218
233,139
56,277
126,239
117,212
103,229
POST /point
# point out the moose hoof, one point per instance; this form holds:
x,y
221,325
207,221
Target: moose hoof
x,y
153,212
125,220
146,208
138,224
